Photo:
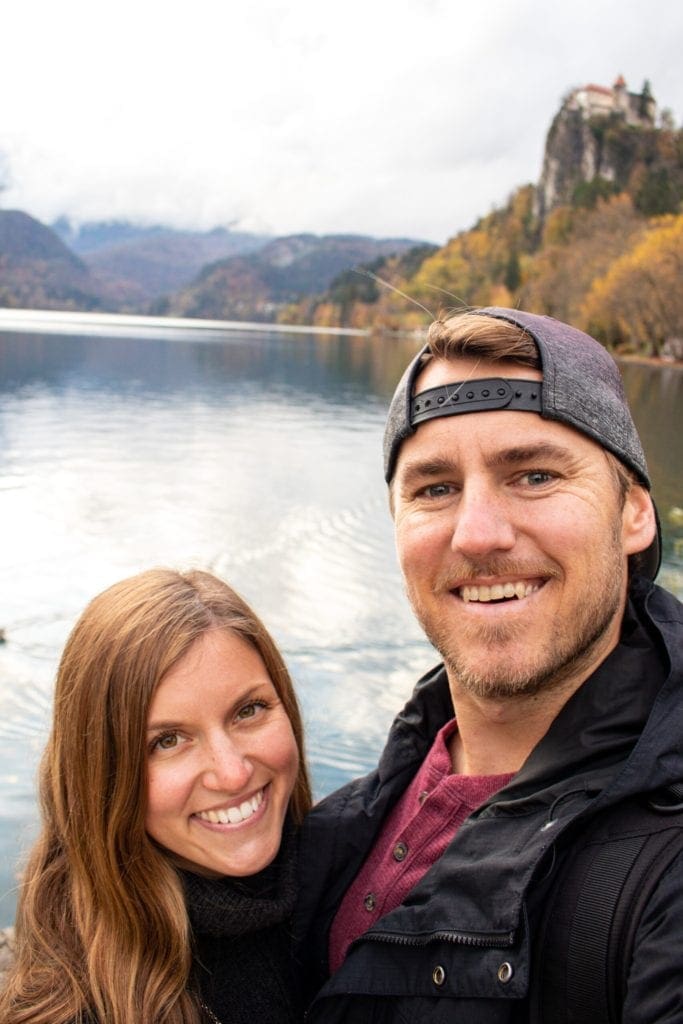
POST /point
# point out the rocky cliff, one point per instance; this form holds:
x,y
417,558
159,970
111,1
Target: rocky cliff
x,y
604,141
572,155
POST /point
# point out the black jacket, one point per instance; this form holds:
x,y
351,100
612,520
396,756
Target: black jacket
x,y
460,947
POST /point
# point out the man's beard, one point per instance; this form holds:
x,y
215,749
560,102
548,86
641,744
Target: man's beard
x,y
569,647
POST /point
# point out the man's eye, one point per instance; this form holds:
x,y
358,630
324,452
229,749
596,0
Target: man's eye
x,y
536,477
437,490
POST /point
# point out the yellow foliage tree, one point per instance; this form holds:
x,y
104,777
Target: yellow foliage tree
x,y
478,266
638,304
579,245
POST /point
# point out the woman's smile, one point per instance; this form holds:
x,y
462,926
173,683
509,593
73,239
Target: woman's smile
x,y
233,814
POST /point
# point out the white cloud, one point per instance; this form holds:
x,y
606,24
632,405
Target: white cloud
x,y
395,118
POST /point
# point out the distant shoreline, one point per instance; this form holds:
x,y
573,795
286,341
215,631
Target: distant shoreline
x,y
52,321
65,322
675,364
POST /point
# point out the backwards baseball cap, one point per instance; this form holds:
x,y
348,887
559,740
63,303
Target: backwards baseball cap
x,y
581,387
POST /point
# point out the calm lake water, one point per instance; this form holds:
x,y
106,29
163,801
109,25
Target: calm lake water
x,y
257,456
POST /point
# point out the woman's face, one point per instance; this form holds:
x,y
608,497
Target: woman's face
x,y
222,760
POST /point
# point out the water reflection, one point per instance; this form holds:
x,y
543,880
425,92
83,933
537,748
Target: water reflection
x,y
655,395
321,365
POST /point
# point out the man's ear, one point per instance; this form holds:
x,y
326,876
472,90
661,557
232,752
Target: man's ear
x,y
638,520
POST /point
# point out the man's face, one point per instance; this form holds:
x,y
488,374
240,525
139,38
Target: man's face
x,y
513,542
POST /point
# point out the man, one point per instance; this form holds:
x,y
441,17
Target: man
x,y
528,541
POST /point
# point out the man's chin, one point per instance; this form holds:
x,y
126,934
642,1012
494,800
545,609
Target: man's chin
x,y
499,685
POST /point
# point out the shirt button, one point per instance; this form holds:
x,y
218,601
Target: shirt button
x,y
422,796
370,901
400,851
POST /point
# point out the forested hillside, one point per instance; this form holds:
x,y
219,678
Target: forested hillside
x,y
138,264
38,270
598,241
257,286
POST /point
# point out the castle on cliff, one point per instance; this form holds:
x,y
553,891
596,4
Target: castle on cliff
x,y
637,108
578,152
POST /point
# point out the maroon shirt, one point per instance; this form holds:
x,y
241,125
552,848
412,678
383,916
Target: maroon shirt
x,y
413,837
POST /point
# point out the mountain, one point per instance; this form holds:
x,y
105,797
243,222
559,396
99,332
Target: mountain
x,y
138,264
598,241
89,236
259,285
38,270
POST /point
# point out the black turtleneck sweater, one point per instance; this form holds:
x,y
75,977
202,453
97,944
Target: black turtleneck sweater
x,y
243,964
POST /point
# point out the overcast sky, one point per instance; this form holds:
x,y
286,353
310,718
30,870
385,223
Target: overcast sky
x,y
387,117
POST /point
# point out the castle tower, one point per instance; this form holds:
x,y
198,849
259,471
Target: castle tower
x,y
621,101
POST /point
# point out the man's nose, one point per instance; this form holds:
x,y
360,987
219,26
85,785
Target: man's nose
x,y
227,767
482,522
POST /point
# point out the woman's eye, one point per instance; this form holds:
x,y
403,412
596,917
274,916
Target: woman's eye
x,y
167,741
250,710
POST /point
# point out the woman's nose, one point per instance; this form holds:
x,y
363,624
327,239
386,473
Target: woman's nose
x,y
227,767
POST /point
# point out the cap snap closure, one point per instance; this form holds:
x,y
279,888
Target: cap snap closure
x,y
438,975
505,972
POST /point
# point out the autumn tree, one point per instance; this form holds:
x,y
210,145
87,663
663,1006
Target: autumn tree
x,y
638,304
481,264
578,246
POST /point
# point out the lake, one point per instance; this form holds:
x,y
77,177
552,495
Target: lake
x,y
256,455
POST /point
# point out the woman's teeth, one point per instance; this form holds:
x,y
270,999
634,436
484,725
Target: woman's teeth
x,y
498,591
233,815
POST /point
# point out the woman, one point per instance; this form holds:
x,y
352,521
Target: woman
x,y
171,787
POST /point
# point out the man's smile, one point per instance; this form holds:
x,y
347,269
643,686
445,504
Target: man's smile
x,y
510,590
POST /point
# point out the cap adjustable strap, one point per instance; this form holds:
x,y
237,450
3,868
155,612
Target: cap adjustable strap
x,y
476,396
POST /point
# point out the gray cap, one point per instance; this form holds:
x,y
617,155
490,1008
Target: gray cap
x,y
581,387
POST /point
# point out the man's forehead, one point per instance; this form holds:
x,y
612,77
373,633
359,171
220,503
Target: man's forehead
x,y
502,439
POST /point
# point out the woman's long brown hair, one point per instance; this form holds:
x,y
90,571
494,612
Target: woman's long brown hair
x,y
101,929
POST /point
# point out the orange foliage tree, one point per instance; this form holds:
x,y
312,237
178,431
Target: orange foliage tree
x,y
578,245
483,265
638,304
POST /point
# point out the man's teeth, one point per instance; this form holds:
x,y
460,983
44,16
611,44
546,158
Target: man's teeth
x,y
233,815
498,591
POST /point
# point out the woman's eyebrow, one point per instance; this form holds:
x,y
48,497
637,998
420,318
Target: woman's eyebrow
x,y
156,726
252,691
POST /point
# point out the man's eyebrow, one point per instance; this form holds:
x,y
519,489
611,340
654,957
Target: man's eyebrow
x,y
421,468
522,454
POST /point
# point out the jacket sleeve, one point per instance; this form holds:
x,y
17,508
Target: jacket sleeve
x,y
654,992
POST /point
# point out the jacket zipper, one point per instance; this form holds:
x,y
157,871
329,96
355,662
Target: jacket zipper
x,y
459,938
